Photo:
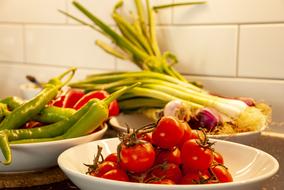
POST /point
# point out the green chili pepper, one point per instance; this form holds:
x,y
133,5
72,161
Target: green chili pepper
x,y
53,114
92,119
12,102
29,109
3,111
50,114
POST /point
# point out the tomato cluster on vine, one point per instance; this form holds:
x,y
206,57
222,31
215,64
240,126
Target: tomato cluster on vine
x,y
168,152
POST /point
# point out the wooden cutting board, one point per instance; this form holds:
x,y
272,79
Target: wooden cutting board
x,y
29,179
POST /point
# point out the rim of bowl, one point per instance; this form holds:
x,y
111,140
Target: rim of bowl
x,y
101,131
116,125
170,187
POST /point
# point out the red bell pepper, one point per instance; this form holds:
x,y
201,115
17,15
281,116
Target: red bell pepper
x,y
100,94
58,101
71,97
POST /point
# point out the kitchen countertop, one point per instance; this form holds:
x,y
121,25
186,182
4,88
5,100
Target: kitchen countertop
x,y
270,142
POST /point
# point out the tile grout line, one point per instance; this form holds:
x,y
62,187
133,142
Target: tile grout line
x,y
24,43
238,51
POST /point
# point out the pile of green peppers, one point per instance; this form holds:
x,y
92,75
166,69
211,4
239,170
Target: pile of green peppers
x,y
64,123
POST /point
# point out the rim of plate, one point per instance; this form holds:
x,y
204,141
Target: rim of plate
x,y
161,186
101,131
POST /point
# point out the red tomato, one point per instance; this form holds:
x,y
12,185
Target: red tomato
x,y
112,157
101,94
137,158
170,156
168,132
187,133
194,177
166,171
104,167
218,157
163,181
222,173
145,136
116,174
71,97
194,156
197,134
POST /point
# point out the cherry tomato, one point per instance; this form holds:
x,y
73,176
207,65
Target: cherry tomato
x,y
187,133
168,132
194,177
218,157
197,134
222,173
71,97
101,94
145,136
166,171
116,174
163,181
196,157
104,167
170,156
112,157
138,157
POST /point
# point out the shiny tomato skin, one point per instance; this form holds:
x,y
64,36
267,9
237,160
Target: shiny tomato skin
x,y
222,173
104,167
170,156
187,133
218,157
112,157
116,174
137,158
168,132
194,177
166,171
196,157
145,136
197,134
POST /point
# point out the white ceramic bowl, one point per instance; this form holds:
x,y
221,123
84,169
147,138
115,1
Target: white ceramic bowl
x,y
37,156
248,166
121,122
29,90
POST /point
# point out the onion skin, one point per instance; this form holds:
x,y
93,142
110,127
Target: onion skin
x,y
206,119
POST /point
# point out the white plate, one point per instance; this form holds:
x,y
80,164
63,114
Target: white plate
x,y
248,166
136,120
37,156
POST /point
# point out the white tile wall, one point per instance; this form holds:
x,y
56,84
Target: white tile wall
x,y
11,43
230,11
262,51
32,11
105,9
208,50
235,47
65,46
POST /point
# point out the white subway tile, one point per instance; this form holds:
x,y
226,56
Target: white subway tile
x,y
11,43
207,50
262,51
230,11
103,10
16,73
32,11
268,91
65,46
123,65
